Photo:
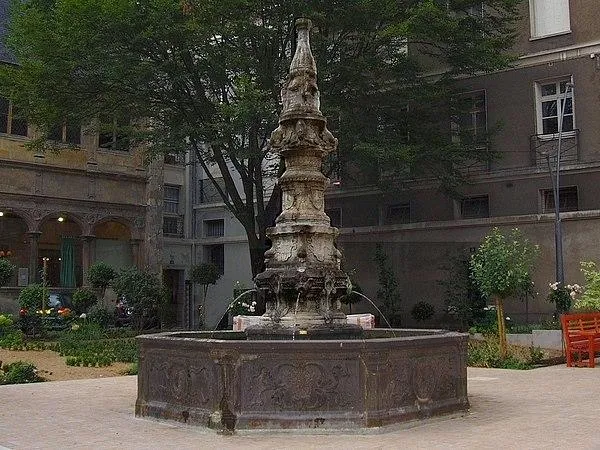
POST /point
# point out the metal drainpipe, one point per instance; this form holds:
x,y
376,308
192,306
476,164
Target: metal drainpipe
x,y
560,271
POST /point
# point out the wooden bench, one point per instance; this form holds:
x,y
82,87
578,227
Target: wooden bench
x,y
582,337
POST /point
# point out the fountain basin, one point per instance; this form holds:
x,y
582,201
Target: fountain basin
x,y
221,380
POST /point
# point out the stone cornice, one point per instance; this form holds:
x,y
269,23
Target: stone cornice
x,y
141,178
471,223
494,176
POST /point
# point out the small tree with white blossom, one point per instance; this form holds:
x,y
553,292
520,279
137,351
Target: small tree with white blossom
x,y
502,267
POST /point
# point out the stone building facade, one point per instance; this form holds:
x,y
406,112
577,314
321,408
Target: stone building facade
x,y
423,230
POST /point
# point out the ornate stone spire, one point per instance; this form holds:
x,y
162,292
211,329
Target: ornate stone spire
x,y
302,280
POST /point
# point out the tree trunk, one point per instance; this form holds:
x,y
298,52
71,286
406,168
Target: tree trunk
x,y
501,327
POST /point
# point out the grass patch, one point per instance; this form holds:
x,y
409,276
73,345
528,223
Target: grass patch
x,y
486,353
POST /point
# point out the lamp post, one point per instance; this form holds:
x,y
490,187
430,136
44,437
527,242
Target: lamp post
x,y
560,271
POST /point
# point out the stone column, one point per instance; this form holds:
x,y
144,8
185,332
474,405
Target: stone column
x,y
135,253
34,241
88,255
302,280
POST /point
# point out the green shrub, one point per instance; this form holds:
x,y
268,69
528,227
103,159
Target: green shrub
x,y
83,299
12,340
132,369
590,299
31,298
465,302
19,372
101,315
6,323
422,311
100,275
486,353
7,270
89,347
388,292
144,294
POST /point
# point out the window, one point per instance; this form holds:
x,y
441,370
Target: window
x,y
207,193
215,254
10,122
567,198
171,199
549,17
174,158
214,228
66,133
335,215
171,226
553,99
475,207
469,119
112,134
399,213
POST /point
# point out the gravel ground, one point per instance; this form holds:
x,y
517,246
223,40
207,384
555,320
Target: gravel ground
x,y
52,366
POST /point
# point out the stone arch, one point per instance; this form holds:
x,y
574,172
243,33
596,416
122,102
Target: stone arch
x,y
73,218
15,242
60,249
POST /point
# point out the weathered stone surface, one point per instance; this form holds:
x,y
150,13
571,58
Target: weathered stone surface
x,y
223,380
302,280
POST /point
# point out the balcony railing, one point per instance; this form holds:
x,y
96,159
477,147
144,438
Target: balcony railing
x,y
543,146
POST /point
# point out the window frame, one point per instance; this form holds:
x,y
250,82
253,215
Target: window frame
x,y
115,144
455,120
470,198
175,220
171,200
533,33
64,135
557,97
208,223
545,194
208,256
10,118
400,205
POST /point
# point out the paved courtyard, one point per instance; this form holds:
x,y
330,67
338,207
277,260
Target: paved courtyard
x,y
552,407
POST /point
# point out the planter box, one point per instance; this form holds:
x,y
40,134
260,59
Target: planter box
x,y
548,339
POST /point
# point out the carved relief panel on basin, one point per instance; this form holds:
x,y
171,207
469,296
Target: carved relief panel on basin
x,y
316,385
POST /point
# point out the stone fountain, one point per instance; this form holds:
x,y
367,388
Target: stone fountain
x,y
303,366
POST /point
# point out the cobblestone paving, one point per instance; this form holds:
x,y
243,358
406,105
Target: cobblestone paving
x,y
553,407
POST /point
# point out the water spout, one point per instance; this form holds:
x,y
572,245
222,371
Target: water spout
x,y
231,305
374,306
297,302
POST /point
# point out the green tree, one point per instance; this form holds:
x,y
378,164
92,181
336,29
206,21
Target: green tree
x,y
502,268
204,274
388,293
462,295
7,270
100,275
143,292
205,75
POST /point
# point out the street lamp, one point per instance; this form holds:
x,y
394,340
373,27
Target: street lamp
x,y
560,270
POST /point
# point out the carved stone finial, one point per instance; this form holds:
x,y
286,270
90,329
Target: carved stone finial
x,y
300,93
303,58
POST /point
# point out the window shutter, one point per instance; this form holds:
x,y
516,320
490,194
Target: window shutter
x,y
549,17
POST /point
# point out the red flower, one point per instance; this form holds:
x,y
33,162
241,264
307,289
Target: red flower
x,y
23,312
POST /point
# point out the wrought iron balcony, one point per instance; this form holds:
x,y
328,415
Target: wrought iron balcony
x,y
543,146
